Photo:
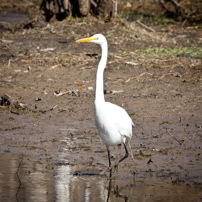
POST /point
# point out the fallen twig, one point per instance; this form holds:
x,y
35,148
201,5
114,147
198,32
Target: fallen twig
x,y
144,73
174,137
132,63
53,107
146,27
20,183
55,66
47,49
132,154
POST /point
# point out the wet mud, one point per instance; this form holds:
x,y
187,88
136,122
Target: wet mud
x,y
50,149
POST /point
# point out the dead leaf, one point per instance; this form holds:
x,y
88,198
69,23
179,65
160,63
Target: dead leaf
x,y
3,107
79,85
24,61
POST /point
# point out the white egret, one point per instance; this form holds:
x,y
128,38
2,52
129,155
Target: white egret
x,y
113,122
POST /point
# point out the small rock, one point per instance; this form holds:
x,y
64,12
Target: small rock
x,y
90,88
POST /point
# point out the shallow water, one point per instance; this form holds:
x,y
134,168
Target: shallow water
x,y
12,16
24,179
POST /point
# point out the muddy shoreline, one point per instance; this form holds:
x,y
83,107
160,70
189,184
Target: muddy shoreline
x,y
47,131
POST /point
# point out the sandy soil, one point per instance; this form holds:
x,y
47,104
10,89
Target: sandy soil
x,y
47,84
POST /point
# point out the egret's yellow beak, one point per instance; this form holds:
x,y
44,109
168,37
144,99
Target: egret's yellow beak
x,y
87,39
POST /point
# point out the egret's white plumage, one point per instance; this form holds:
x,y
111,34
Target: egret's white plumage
x,y
113,122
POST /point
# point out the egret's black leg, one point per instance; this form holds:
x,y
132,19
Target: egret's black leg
x,y
117,163
126,156
109,157
108,151
109,189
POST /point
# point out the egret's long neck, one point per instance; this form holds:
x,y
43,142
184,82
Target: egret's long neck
x,y
99,94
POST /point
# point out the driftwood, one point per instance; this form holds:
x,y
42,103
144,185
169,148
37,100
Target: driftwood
x,y
78,8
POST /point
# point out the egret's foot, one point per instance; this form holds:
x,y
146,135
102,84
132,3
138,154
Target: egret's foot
x,y
115,165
